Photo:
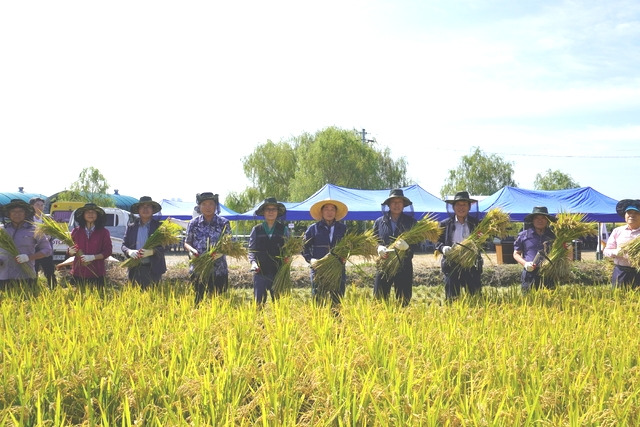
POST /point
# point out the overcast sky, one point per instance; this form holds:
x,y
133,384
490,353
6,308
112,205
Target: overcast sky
x,y
166,98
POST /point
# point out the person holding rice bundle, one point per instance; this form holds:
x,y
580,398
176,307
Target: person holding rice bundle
x,y
20,248
532,246
321,237
92,246
624,273
265,244
152,261
203,232
393,222
457,228
46,264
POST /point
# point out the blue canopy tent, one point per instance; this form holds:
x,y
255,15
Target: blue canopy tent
x,y
7,197
518,203
184,211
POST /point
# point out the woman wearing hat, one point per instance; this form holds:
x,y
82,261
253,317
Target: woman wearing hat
x,y
265,243
531,247
623,273
203,232
322,236
152,262
30,248
456,228
387,228
93,243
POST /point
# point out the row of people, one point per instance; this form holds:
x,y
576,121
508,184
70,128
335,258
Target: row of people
x,y
93,244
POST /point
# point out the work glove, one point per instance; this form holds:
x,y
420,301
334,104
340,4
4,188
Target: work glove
x,y
383,251
614,252
133,253
73,250
313,262
401,245
22,258
145,253
194,253
87,258
254,267
445,250
529,266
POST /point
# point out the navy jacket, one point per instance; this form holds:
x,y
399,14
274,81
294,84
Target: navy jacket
x,y
383,231
448,225
316,239
158,263
265,250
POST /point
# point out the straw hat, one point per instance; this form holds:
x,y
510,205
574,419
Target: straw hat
x,y
316,209
539,210
146,200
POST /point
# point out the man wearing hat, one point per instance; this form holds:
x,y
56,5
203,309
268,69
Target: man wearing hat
x,y
456,228
46,264
92,245
152,262
203,232
393,222
30,248
623,273
322,236
532,246
265,243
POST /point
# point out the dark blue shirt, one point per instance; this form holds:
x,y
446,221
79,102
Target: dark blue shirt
x,y
528,242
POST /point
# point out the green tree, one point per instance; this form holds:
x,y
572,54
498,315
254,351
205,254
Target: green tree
x,y
479,174
243,201
91,187
271,167
554,180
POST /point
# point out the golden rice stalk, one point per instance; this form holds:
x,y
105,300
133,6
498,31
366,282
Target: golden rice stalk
x,y
426,228
495,224
328,269
7,244
204,263
168,233
282,281
57,230
631,250
568,227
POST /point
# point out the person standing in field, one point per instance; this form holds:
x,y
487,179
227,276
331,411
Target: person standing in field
x,y
92,246
623,273
46,264
265,244
531,247
322,236
397,217
152,261
203,232
21,229
456,228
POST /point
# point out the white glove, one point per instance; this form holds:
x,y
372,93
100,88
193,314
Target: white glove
x,y
254,267
445,250
313,262
614,252
401,245
194,253
87,258
145,253
22,258
529,266
133,253
73,250
382,251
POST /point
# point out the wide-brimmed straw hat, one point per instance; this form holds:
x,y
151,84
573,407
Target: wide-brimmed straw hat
x,y
145,200
316,209
539,210
88,207
19,203
201,197
397,193
461,196
271,201
627,204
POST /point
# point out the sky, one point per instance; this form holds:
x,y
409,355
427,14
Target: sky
x,y
167,98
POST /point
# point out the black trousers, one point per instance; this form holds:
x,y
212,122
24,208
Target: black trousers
x,y
49,269
455,278
625,276
215,285
402,281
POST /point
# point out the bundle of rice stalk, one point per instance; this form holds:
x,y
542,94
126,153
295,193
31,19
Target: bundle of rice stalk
x,y
7,243
52,228
203,264
632,251
426,228
465,253
328,269
568,227
168,233
282,281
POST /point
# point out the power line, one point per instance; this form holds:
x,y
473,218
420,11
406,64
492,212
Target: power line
x,y
570,156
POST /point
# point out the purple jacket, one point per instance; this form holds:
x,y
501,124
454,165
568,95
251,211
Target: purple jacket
x,y
26,243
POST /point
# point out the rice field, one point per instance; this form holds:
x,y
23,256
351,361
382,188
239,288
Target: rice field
x,y
123,357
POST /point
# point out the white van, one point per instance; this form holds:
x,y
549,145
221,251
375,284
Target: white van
x,y
116,222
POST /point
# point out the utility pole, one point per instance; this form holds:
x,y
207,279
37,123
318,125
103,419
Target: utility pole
x,y
364,137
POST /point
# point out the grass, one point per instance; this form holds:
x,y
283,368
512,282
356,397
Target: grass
x,y
75,356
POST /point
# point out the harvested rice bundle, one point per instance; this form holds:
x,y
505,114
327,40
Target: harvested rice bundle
x,y
168,233
52,228
494,224
282,281
426,228
203,263
567,228
7,243
631,250
328,269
